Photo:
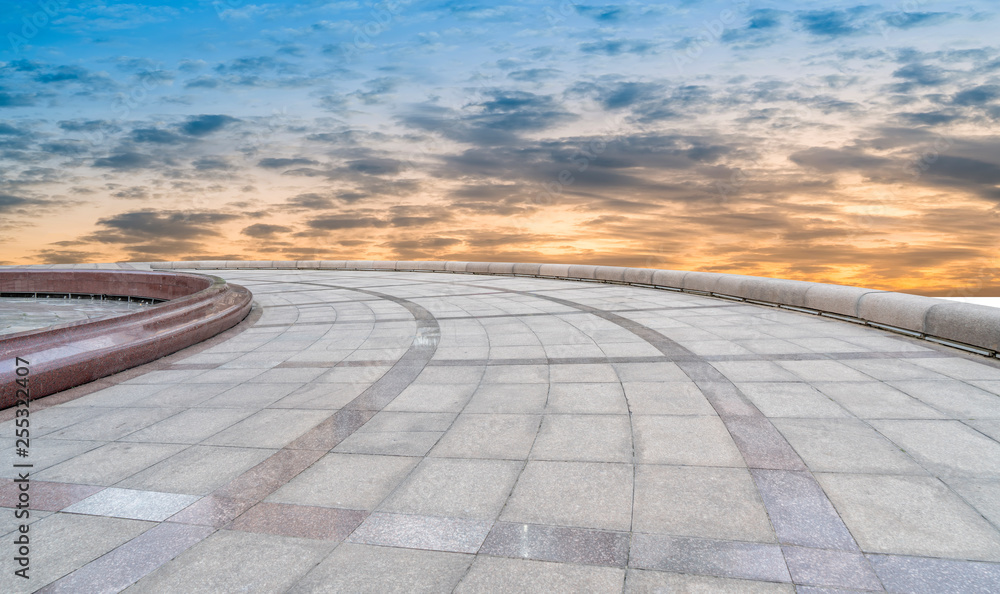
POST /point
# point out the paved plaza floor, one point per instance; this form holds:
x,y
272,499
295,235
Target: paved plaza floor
x,y
412,432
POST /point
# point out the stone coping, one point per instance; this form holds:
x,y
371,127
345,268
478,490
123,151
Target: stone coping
x,y
970,327
196,307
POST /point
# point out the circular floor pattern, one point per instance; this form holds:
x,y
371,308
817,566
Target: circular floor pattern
x,y
432,432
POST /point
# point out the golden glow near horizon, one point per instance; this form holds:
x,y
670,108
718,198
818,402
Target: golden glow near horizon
x,y
847,144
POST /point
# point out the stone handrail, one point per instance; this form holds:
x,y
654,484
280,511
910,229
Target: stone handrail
x,y
196,307
974,328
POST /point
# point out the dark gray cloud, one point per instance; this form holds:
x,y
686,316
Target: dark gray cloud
x,y
263,230
617,47
203,125
281,163
126,161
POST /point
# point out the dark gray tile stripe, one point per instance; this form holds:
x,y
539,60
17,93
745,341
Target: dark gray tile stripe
x,y
922,575
557,543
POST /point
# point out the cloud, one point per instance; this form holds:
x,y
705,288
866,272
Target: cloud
x,y
836,160
280,163
977,95
345,221
263,230
832,23
156,136
206,124
126,161
617,47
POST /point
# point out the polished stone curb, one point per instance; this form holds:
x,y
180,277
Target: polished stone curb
x,y
196,307
974,328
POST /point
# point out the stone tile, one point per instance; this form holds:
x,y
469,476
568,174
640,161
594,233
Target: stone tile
x,y
213,510
184,395
456,535
117,396
923,575
787,399
754,371
800,512
45,453
727,559
818,567
516,374
556,543
54,418
10,523
114,424
225,376
408,421
390,443
824,371
982,494
718,503
197,470
250,396
232,561
432,398
351,481
451,374
460,488
366,374
590,373
581,494
584,438
166,376
321,523
876,400
650,372
269,428
316,395
109,463
946,448
910,515
297,376
45,496
988,428
363,568
701,441
131,504
961,369
498,436
132,561
845,445
892,370
666,398
498,574
606,398
640,581
954,398
513,398
190,426
334,429
263,479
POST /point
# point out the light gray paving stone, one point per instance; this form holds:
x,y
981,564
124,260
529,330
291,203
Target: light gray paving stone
x,y
326,396
45,453
596,398
910,515
121,395
197,470
109,464
818,567
499,574
268,428
230,561
698,556
583,494
650,372
789,399
409,421
962,369
876,400
451,374
435,533
988,428
516,374
893,370
982,494
845,445
720,503
166,376
824,371
364,568
513,398
698,441
588,372
754,371
498,436
352,481
461,488
250,396
666,398
47,420
432,398
946,448
584,438
390,443
132,504
190,426
114,423
64,542
184,395
952,397
641,581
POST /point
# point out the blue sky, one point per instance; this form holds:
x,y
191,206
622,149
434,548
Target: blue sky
x,y
834,141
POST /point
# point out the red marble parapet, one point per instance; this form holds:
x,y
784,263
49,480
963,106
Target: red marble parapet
x,y
68,355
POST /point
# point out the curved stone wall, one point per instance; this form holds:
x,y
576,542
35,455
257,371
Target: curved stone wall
x,y
67,355
974,328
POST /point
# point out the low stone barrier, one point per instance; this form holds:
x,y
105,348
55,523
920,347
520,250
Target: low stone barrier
x,y
195,307
974,328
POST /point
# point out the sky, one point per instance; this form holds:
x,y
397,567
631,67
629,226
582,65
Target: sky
x,y
843,142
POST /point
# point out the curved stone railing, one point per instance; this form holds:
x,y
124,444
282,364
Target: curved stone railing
x,y
195,307
974,328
